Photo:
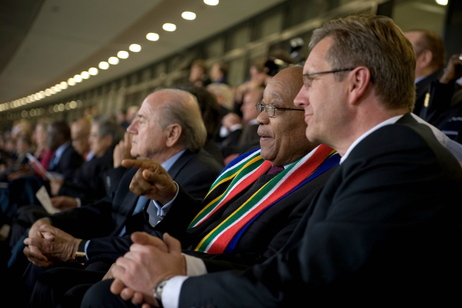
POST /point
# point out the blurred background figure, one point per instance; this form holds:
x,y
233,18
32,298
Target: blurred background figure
x,y
430,60
198,74
219,73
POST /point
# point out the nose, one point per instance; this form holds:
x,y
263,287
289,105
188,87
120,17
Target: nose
x,y
301,100
131,129
262,118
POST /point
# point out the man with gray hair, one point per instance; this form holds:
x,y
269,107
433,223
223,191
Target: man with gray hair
x,y
168,129
383,230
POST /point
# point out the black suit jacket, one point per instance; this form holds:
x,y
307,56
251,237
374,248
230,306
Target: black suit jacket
x,y
422,88
88,182
103,221
384,229
68,163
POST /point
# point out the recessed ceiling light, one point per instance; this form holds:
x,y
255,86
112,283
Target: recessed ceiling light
x,y
135,48
123,54
211,2
93,71
152,36
103,65
78,78
85,75
71,82
442,2
188,15
169,27
113,60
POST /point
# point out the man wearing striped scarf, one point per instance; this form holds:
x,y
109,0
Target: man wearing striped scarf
x,y
251,210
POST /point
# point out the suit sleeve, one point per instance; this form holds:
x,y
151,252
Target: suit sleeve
x,y
383,227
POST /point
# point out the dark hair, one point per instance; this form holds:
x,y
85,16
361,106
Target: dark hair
x,y
210,109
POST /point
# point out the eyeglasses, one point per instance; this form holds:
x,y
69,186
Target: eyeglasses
x,y
330,72
270,109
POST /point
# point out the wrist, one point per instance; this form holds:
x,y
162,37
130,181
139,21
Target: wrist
x,y
79,255
159,289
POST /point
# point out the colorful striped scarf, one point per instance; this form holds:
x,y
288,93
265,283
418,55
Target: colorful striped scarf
x,y
243,173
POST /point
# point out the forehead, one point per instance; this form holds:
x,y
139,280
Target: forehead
x,y
317,58
148,107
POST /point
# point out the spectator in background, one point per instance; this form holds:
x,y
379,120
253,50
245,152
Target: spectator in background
x,y
219,72
261,71
445,107
242,130
80,131
198,74
210,111
430,56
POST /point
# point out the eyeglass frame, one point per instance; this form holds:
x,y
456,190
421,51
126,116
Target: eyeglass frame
x,y
330,72
261,107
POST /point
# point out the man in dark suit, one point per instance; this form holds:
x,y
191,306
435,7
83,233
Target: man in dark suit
x,y
430,59
265,218
169,130
385,227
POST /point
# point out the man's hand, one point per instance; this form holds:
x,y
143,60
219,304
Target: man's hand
x,y
451,72
148,262
55,186
51,244
151,180
122,150
63,202
230,120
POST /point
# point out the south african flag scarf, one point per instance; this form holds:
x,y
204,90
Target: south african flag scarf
x,y
241,174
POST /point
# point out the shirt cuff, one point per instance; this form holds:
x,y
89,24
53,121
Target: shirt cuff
x,y
194,266
171,201
171,291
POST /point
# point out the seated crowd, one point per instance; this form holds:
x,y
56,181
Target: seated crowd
x,y
311,181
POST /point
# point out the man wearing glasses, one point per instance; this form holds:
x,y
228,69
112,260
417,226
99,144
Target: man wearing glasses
x,y
254,205
384,230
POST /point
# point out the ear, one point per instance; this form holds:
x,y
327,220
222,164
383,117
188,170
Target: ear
x,y
360,81
425,58
173,134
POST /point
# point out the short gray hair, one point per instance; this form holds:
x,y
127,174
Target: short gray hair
x,y
184,110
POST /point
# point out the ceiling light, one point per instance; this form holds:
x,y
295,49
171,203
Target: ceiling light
x,y
93,71
78,78
442,2
123,54
169,27
113,60
85,75
71,82
211,2
188,15
63,85
103,65
152,36
135,48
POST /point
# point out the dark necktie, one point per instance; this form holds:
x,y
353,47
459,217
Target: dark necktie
x,y
275,169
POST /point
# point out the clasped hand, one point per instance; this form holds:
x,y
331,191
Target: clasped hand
x,y
149,261
47,244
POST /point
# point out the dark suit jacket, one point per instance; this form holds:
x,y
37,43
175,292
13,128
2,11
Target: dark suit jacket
x,y
384,229
422,88
88,182
103,221
68,163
